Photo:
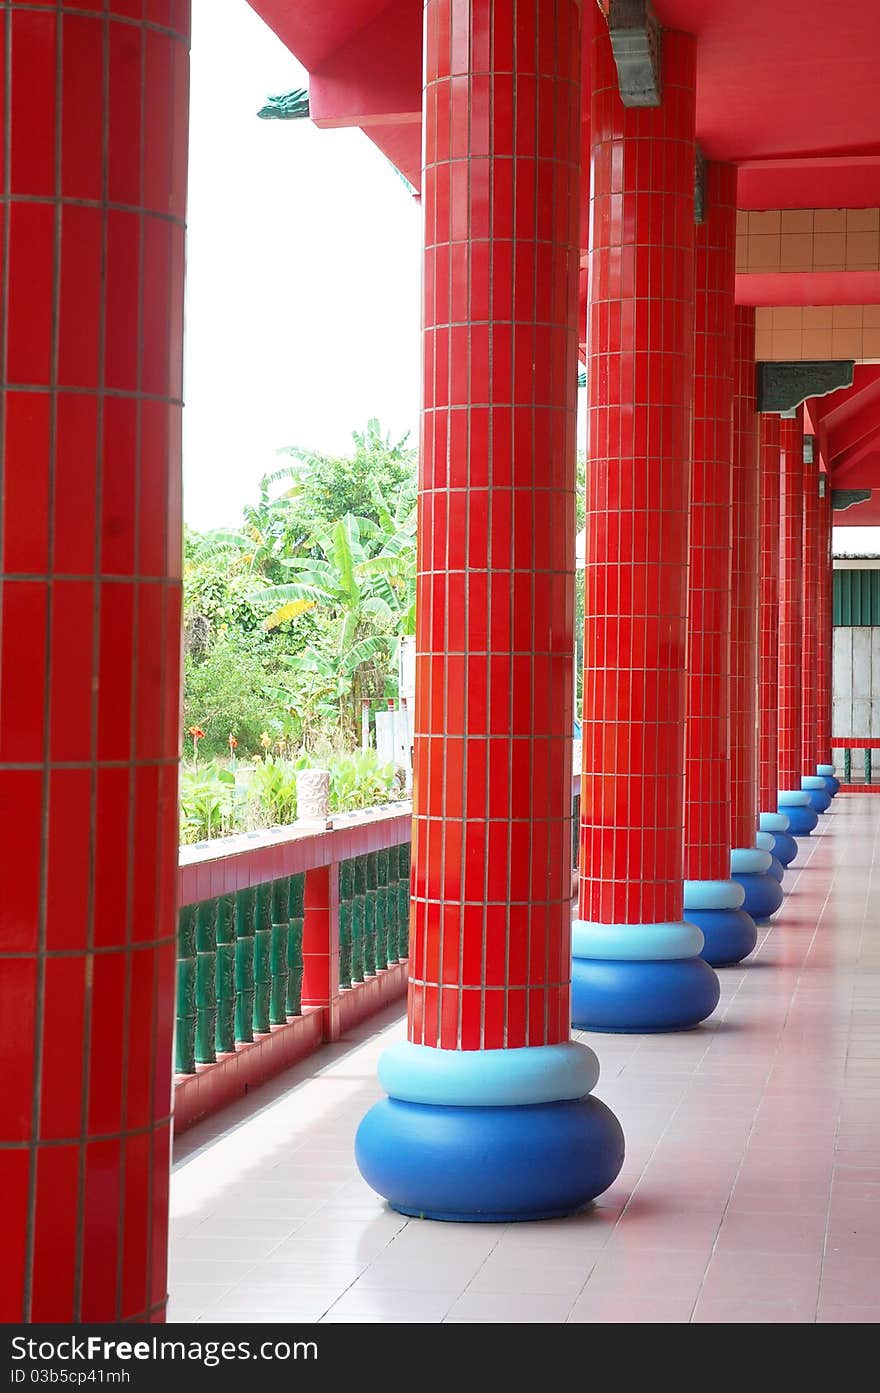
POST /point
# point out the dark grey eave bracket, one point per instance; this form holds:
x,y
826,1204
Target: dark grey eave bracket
x,y
783,387
841,499
700,209
635,42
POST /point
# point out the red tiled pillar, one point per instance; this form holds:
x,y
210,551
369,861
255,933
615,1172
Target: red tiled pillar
x,y
636,964
750,863
793,801
711,899
824,667
774,825
768,616
812,781
320,985
490,959
93,224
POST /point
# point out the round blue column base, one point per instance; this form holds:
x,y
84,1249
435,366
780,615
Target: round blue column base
x,y
820,799
777,870
489,1164
832,785
763,893
639,997
784,847
802,819
730,934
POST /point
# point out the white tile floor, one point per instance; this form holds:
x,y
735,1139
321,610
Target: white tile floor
x,y
750,1192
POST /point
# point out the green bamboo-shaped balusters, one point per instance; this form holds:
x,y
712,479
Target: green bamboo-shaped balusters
x,y
403,859
262,957
185,1025
575,831
346,897
370,915
245,910
296,912
206,981
280,941
382,953
224,1038
392,937
357,919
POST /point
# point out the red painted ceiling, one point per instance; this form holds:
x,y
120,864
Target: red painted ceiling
x,y
787,89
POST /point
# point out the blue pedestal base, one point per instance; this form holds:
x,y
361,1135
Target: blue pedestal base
x,y
784,847
802,819
637,997
777,870
489,1164
730,934
832,785
820,799
763,893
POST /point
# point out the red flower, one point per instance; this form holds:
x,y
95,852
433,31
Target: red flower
x,y
233,743
197,733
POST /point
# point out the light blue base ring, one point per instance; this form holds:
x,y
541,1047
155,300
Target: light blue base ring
x,y
489,1165
729,934
829,778
488,1078
773,822
803,820
642,997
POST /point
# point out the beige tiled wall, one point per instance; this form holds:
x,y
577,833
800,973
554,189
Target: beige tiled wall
x,y
817,331
808,239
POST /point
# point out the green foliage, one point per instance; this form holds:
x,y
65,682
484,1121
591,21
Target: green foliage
x,y
226,693
326,487
207,802
272,790
358,780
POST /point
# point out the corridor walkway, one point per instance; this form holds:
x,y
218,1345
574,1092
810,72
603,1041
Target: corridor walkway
x,y
750,1192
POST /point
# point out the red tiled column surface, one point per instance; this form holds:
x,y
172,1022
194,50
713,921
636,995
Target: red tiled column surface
x,y
744,591
825,631
490,960
768,602
810,617
506,1127
94,183
707,783
791,549
640,337
640,332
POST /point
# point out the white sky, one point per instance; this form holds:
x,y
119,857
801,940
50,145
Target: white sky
x,y
303,274
303,278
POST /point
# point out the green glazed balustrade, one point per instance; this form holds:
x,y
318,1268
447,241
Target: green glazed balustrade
x,y
240,956
239,969
856,598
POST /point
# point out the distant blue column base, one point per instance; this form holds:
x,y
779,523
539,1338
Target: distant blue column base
x,y
715,906
730,934
489,1135
766,841
784,845
826,773
642,998
814,785
487,1164
802,816
750,867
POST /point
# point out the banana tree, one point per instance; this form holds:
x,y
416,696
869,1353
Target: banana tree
x,y
364,578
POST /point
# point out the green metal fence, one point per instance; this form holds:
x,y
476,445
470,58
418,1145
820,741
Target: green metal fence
x,y
856,598
240,956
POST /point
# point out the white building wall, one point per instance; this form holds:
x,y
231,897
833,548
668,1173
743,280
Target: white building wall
x,y
856,691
